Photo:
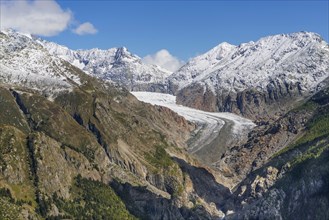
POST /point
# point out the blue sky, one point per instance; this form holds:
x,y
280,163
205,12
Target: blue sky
x,y
184,28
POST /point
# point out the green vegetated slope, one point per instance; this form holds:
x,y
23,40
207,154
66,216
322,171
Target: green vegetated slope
x,y
92,200
306,184
96,132
43,148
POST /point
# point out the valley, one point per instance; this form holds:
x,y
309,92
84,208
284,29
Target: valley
x,y
215,132
239,132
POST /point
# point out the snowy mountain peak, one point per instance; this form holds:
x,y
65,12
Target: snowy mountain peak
x,y
293,40
25,62
202,63
223,46
219,51
216,53
121,51
303,36
12,32
115,64
122,54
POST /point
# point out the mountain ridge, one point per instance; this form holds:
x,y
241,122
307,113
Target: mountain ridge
x,y
257,77
224,69
278,43
116,65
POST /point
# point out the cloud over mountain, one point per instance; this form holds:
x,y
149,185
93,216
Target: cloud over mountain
x,y
85,28
164,59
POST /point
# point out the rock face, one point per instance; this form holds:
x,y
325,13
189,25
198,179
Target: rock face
x,y
262,143
299,191
255,79
292,183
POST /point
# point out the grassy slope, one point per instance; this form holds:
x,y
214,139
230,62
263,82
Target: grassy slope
x,y
92,200
315,137
15,162
68,121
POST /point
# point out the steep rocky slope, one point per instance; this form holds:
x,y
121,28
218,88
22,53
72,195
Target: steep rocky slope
x,y
255,79
293,182
76,147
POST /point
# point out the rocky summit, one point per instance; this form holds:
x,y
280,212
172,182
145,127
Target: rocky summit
x,y
76,144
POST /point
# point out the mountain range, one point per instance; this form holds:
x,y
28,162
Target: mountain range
x,y
76,144
116,65
249,79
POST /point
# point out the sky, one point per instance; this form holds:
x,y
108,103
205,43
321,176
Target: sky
x,y
166,32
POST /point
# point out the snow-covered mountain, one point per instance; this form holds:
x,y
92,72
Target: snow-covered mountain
x,y
24,62
117,65
290,57
275,66
47,69
249,79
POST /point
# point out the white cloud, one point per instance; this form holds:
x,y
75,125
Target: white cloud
x,y
85,28
45,18
39,17
164,59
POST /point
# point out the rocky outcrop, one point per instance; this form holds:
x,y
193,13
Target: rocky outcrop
x,y
262,143
196,96
291,184
278,98
146,205
300,192
271,137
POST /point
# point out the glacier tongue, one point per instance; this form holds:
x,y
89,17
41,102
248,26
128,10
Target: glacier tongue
x,y
210,123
